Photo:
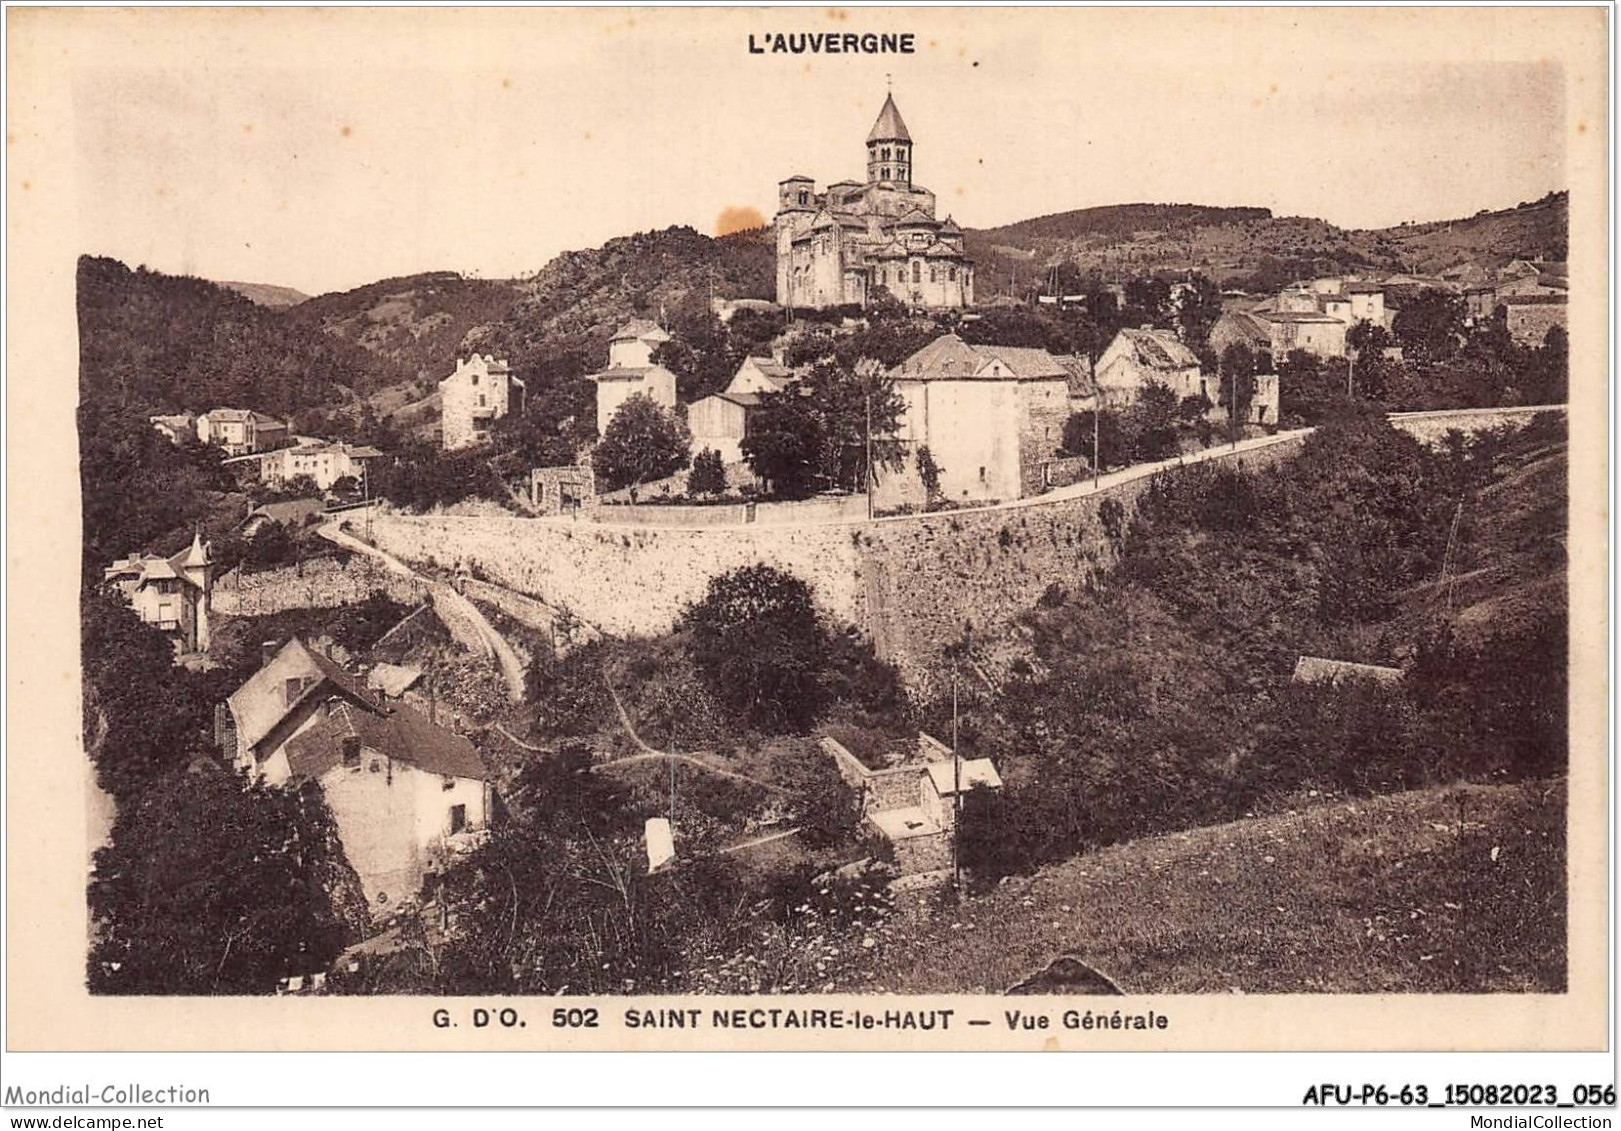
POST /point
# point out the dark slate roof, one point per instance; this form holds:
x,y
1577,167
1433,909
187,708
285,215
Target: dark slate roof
x,y
889,126
1162,349
397,731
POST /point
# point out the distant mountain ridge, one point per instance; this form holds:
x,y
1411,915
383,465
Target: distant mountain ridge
x,y
1250,246
266,294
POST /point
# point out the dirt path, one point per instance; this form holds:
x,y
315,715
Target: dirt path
x,y
491,642
651,754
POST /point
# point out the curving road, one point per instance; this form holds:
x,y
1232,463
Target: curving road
x,y
490,642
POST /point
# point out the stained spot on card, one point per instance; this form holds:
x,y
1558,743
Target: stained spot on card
x,y
247,127
738,218
506,84
1050,1045
345,132
837,14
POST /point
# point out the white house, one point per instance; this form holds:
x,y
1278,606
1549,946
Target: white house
x,y
241,431
481,391
631,371
403,791
323,461
173,594
991,416
721,421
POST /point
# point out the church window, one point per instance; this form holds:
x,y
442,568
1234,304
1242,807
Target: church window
x,y
804,198
475,378
883,173
934,274
917,271
951,274
884,155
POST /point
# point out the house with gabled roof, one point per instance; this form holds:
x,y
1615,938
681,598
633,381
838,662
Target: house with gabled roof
x,y
481,390
1139,357
242,431
404,792
991,416
720,421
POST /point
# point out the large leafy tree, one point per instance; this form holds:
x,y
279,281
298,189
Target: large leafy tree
x,y
1429,325
759,645
211,887
143,715
860,411
644,441
785,443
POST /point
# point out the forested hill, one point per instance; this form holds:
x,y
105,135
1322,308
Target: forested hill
x,y
415,322
150,342
1249,246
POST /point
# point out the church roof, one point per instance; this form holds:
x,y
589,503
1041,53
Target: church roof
x,y
917,218
949,228
889,126
938,250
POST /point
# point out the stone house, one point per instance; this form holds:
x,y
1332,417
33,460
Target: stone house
x,y
914,805
1278,332
721,421
403,790
839,246
174,594
1530,317
242,431
1137,357
480,391
631,371
991,417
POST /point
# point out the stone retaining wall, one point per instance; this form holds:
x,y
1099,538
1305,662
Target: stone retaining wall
x,y
322,583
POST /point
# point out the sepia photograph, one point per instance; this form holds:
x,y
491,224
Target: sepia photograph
x,y
853,517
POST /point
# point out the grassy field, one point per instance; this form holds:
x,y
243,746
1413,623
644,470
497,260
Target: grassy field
x,y
1452,890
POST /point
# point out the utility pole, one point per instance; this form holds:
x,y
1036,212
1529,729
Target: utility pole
x,y
1232,411
1097,411
956,786
869,453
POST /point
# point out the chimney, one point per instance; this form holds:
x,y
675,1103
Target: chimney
x,y
267,652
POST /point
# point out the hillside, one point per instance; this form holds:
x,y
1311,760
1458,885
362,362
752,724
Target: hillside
x,y
417,323
267,294
156,343
1250,246
1450,890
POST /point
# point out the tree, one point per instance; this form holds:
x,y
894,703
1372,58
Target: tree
x,y
1429,325
143,715
1155,415
708,474
785,442
643,442
1239,366
760,647
1197,310
1368,343
213,887
860,411
929,472
1114,445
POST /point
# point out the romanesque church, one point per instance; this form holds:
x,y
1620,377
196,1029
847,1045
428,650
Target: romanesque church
x,y
840,246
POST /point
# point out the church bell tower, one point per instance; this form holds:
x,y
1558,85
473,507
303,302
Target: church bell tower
x,y
889,148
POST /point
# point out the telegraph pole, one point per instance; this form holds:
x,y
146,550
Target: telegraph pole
x,y
1097,411
956,786
869,453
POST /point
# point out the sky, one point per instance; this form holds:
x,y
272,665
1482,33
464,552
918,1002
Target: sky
x,y
322,150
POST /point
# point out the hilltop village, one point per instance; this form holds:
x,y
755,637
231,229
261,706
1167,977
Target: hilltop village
x,y
764,636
